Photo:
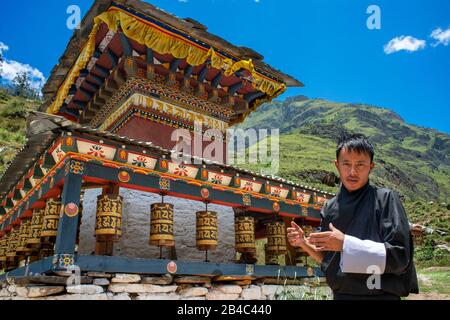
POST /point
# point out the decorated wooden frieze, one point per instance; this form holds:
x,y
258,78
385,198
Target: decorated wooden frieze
x,y
320,200
302,197
98,150
248,185
277,191
141,160
218,178
182,170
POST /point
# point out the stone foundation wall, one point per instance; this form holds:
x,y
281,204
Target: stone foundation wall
x,y
101,286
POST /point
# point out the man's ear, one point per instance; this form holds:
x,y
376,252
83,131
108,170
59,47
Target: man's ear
x,y
372,165
336,164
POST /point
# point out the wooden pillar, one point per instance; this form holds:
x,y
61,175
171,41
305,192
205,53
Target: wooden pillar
x,y
68,223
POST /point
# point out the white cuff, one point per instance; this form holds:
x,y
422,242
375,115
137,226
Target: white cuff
x,y
363,256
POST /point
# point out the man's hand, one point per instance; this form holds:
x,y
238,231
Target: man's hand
x,y
295,235
328,241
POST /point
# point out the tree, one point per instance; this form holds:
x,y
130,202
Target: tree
x,y
22,86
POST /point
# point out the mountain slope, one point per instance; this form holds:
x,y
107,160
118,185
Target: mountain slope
x,y
412,160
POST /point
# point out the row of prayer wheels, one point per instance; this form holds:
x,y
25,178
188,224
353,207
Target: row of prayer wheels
x,y
162,231
34,237
109,225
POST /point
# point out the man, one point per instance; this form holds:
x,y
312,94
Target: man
x,y
365,248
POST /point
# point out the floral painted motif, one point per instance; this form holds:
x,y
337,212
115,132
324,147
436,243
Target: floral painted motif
x,y
96,151
276,192
181,170
247,200
140,161
164,184
217,179
303,197
59,154
248,186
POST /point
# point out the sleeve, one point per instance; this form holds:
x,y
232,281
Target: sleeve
x,y
362,256
395,233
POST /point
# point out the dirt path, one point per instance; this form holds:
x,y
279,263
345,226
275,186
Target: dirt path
x,y
428,296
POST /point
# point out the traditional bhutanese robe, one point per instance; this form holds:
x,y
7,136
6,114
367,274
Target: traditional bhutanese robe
x,y
377,243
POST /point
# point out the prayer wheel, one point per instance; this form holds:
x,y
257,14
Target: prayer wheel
x,y
300,255
207,233
24,234
245,234
3,248
276,238
109,217
51,218
270,257
161,225
12,244
34,239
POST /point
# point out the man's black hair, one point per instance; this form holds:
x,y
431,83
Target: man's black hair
x,y
355,142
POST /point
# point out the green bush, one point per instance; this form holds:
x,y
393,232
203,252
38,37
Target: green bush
x,y
425,252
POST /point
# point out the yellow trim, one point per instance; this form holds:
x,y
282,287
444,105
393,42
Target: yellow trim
x,y
163,43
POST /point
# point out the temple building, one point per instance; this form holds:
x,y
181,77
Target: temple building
x,y
96,185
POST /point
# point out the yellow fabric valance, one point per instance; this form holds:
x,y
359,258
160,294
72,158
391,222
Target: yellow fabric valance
x,y
162,42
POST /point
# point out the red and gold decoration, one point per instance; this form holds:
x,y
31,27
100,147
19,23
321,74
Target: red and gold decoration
x,y
204,193
172,267
71,210
124,177
276,207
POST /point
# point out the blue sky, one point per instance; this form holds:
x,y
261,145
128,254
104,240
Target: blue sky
x,y
324,44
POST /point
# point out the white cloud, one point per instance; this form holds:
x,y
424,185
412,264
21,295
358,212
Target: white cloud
x,y
10,69
406,43
3,47
441,37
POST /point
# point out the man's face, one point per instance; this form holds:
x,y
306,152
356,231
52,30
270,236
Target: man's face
x,y
354,168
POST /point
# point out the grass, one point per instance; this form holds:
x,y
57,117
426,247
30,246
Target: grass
x,y
13,113
434,280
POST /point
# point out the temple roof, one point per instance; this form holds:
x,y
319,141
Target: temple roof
x,y
110,29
